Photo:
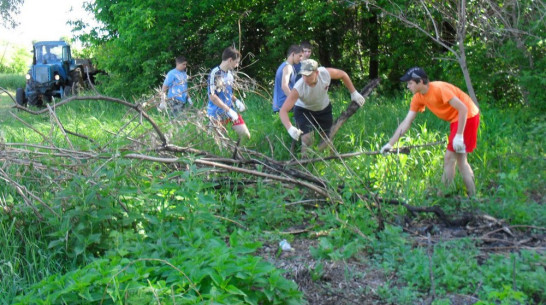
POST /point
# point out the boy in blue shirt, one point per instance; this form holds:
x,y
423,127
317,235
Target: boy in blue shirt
x,y
222,102
175,87
285,78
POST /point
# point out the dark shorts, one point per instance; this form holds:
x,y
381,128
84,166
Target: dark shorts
x,y
470,134
307,120
177,105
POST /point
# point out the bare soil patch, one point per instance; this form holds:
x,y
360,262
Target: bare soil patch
x,y
357,282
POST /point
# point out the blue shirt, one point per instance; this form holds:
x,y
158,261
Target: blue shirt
x,y
297,68
221,84
278,94
177,81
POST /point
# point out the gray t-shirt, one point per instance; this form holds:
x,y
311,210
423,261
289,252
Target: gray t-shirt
x,y
314,98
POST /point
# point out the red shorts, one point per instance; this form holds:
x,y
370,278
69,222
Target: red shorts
x,y
470,134
240,121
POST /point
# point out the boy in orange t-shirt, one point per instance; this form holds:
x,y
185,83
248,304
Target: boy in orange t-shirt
x,y
451,104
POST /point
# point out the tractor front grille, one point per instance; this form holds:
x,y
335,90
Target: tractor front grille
x,y
42,74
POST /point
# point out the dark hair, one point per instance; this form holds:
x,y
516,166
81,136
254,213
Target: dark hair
x,y
230,52
306,45
418,79
294,49
180,59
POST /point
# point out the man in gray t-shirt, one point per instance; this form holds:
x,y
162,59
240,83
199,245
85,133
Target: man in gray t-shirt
x,y
309,98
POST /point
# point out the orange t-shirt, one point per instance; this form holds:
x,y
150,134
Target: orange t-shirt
x,y
437,100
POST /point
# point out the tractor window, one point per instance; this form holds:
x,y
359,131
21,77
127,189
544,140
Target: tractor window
x,y
56,51
39,53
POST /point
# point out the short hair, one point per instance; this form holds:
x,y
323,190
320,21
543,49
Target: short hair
x,y
306,45
294,49
419,79
230,52
180,59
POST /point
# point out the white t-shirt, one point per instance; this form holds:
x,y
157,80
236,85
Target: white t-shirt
x,y
314,98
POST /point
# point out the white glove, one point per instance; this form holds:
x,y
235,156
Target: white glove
x,y
163,104
359,99
385,148
294,133
189,101
240,106
458,144
233,115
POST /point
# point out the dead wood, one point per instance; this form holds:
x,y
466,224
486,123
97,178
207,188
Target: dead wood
x,y
345,115
448,220
400,150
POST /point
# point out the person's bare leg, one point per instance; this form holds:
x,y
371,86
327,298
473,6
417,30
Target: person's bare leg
x,y
242,131
450,160
467,173
306,142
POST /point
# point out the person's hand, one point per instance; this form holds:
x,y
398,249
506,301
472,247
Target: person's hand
x,y
240,106
295,133
358,98
385,148
233,115
458,144
189,101
163,104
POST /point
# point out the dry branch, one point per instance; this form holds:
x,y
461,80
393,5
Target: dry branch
x,y
310,186
345,115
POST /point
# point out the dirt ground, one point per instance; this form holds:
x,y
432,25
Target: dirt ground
x,y
355,282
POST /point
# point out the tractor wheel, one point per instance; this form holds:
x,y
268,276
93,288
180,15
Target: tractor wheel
x,y
20,97
67,91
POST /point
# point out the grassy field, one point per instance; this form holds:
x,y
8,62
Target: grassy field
x,y
84,222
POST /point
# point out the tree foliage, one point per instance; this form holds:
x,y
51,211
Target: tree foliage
x,y
8,10
499,45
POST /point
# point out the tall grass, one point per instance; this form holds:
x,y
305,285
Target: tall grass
x,y
12,81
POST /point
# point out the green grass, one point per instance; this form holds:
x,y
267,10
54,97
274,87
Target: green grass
x,y
12,81
138,228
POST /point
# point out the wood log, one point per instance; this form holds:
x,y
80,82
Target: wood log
x,y
345,115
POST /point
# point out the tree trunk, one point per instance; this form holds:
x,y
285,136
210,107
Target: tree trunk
x,y
466,74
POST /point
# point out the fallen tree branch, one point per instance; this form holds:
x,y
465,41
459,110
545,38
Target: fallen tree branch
x,y
446,219
399,150
345,115
310,186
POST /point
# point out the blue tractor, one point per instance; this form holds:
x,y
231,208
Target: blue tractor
x,y
54,73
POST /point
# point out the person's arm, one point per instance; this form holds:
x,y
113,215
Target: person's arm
x,y
401,130
285,80
458,140
289,103
164,89
463,112
218,102
287,106
340,74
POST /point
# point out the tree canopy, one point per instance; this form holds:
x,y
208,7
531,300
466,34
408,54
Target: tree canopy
x,y
493,47
8,10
